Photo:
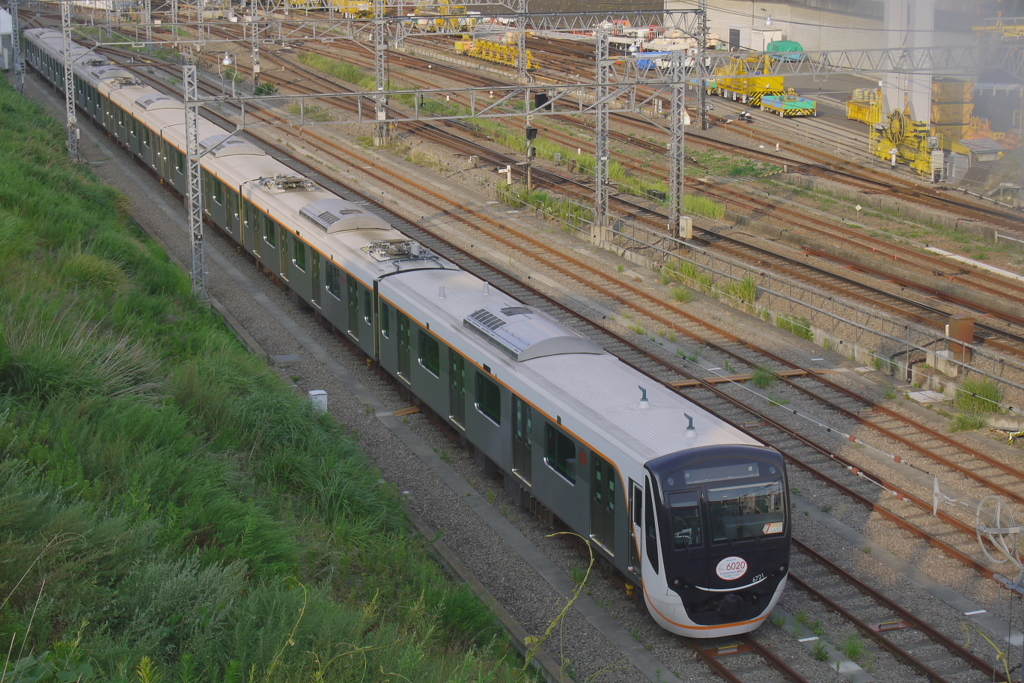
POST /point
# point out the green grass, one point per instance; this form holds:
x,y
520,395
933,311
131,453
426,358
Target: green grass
x,y
170,509
742,291
571,215
967,422
763,378
979,396
854,648
797,325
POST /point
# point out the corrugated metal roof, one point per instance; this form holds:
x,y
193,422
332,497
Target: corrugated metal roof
x,y
337,215
524,333
228,146
155,100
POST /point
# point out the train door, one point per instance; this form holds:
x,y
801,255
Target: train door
x,y
522,439
316,278
353,307
636,523
244,218
284,253
404,347
457,388
650,559
603,486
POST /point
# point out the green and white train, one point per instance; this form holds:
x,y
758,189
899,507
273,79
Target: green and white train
x,y
686,507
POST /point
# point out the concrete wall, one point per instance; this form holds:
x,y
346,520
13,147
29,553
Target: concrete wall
x,y
854,25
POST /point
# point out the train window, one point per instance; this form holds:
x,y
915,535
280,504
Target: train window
x,y
368,306
334,281
637,503
430,354
561,453
686,524
179,162
269,230
703,475
217,191
746,511
299,251
650,530
385,320
145,137
488,398
135,128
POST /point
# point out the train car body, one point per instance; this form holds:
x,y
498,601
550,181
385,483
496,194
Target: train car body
x,y
789,105
679,502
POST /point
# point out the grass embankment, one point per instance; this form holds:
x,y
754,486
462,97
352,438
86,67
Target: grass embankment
x,y
169,509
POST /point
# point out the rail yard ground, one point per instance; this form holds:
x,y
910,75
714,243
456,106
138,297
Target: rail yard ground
x,y
171,510
458,516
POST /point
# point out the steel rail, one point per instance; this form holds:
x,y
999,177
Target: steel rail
x,y
904,614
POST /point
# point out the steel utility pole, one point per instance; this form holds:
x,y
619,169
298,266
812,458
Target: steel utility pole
x,y
701,66
381,134
19,62
69,83
147,19
601,134
676,151
521,62
194,180
254,29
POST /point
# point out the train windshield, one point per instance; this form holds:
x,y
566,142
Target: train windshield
x,y
685,519
746,511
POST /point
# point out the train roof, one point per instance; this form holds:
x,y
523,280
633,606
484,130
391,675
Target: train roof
x,y
344,232
53,41
539,357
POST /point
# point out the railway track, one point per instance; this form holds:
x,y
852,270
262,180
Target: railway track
x,y
616,291
919,645
873,296
512,290
742,659
926,265
625,294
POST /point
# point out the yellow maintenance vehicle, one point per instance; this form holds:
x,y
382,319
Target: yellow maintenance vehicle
x,y
492,51
354,9
441,15
895,136
747,80
920,144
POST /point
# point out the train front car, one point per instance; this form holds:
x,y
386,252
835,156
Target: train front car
x,y
714,534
